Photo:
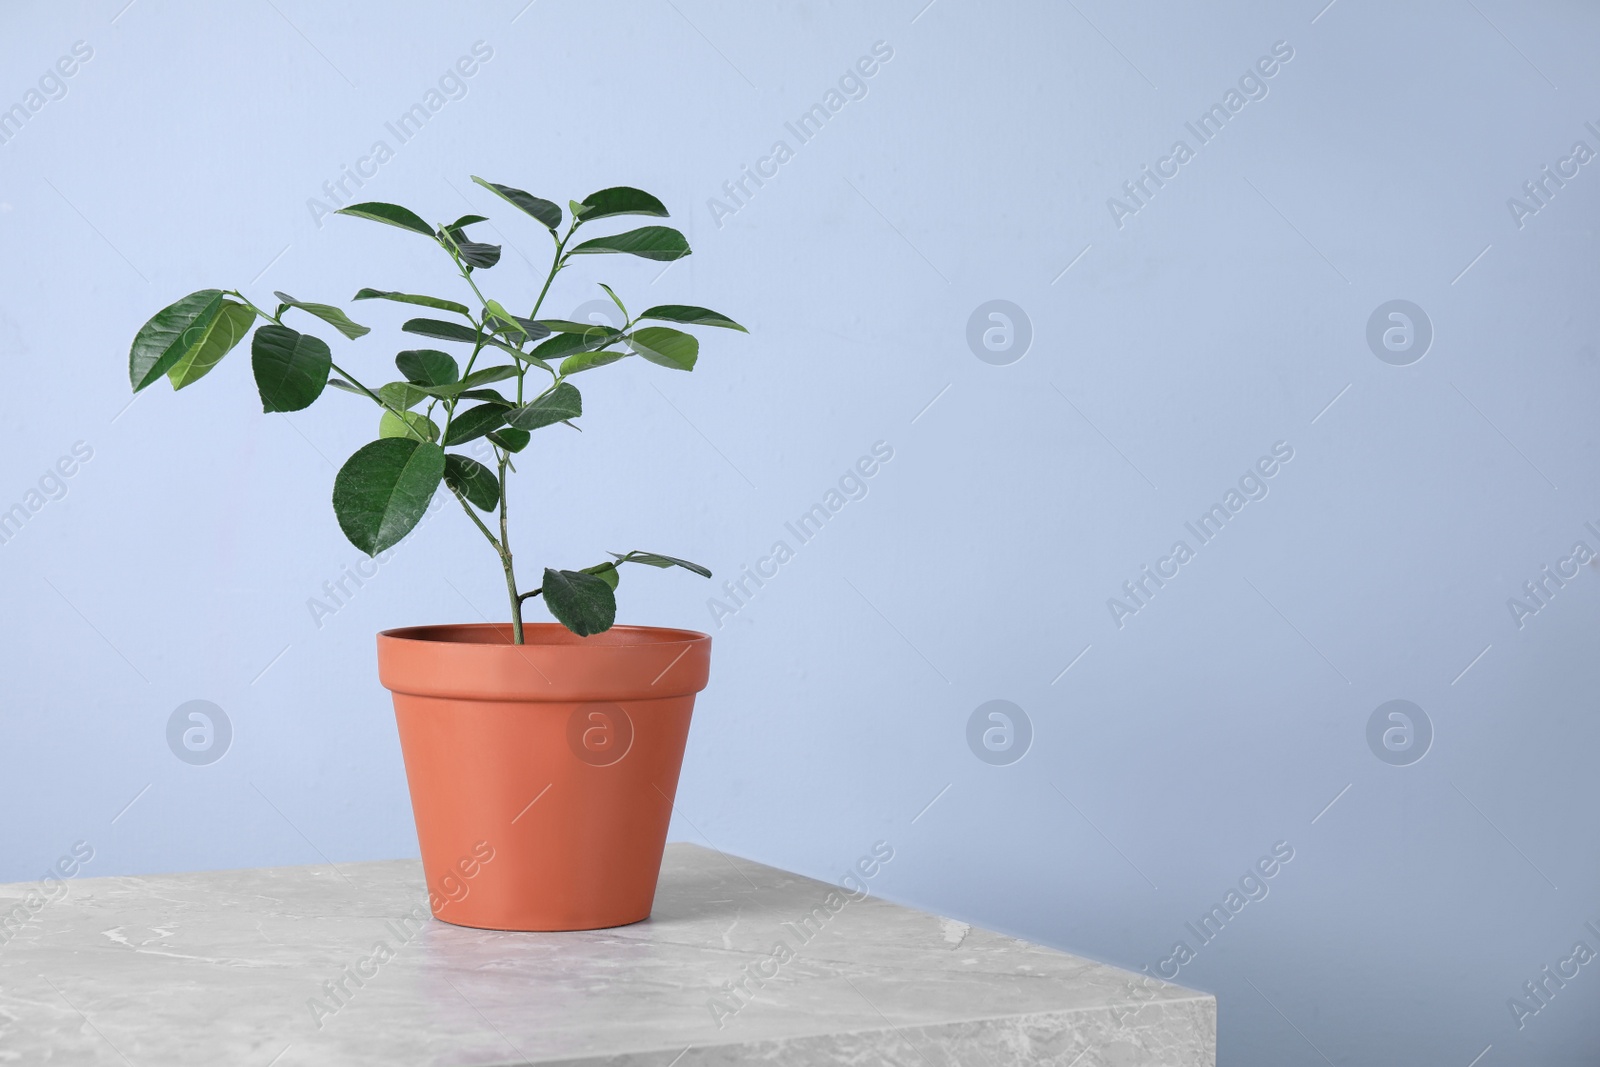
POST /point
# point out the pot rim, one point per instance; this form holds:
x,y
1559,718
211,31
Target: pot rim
x,y
535,635
477,661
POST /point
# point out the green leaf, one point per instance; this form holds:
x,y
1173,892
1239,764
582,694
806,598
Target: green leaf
x,y
476,253
482,394
667,347
589,360
450,331
440,330
410,298
511,440
581,602
487,375
427,366
393,214
514,332
650,242
384,489
170,335
503,320
227,329
606,572
349,387
402,395
656,559
475,422
327,313
526,358
615,299
543,210
468,220
291,368
692,316
468,386
565,344
621,200
568,326
558,405
472,480
512,327
413,424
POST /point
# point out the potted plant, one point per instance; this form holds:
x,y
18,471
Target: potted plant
x,y
542,758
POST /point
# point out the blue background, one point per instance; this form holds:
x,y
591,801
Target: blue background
x,y
1221,318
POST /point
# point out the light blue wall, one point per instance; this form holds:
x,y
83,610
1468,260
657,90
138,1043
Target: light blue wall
x,y
1219,319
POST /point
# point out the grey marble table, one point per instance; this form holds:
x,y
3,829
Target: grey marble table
x,y
740,963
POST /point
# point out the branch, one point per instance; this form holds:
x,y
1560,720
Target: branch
x,y
473,515
381,402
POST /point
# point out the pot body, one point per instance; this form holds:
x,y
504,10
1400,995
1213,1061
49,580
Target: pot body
x,y
542,775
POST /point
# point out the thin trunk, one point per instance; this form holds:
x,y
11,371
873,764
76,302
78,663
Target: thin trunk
x,y
516,602
505,559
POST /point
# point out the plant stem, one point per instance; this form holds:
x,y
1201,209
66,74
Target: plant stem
x,y
246,301
516,604
450,407
555,267
522,370
502,545
505,560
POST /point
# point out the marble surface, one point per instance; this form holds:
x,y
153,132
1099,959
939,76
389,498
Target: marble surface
x,y
740,963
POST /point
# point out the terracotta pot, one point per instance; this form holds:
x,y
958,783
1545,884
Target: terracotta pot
x,y
542,775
